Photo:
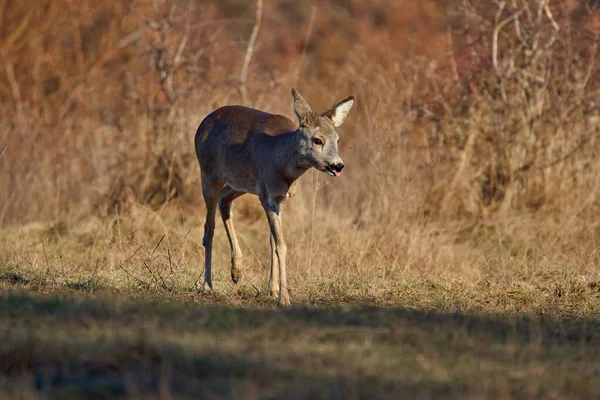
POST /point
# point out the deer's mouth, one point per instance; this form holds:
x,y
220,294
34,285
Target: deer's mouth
x,y
332,173
334,169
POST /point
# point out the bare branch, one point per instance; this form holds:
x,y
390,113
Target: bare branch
x,y
551,18
497,30
250,48
311,23
518,24
12,80
186,36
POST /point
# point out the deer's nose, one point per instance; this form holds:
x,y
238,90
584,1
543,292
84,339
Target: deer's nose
x,y
338,167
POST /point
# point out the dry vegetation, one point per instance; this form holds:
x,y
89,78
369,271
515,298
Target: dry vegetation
x,y
457,256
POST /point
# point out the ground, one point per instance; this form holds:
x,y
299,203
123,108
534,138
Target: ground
x,y
134,324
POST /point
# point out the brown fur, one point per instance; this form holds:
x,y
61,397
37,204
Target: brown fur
x,y
242,150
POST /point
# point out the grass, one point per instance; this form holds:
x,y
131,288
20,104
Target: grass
x,y
82,318
72,346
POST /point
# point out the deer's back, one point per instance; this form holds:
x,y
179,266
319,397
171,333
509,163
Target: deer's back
x,y
226,140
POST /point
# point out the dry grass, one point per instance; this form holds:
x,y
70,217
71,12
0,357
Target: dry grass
x,y
457,257
86,346
507,267
475,312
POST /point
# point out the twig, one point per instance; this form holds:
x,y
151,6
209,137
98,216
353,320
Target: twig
x,y
160,221
154,278
518,25
184,41
569,154
131,256
110,244
170,262
198,289
164,284
315,179
129,274
590,71
12,80
45,256
187,263
119,227
497,30
158,244
47,263
252,251
309,29
550,17
250,49
453,62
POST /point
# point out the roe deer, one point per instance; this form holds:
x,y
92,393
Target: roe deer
x,y
243,150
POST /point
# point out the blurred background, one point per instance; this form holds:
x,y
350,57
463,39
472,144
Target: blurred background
x,y
464,108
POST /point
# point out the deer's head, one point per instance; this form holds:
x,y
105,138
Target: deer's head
x,y
318,138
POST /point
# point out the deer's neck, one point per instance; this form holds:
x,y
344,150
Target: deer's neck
x,y
291,163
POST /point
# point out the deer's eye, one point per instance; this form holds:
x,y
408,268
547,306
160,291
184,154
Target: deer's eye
x,y
317,141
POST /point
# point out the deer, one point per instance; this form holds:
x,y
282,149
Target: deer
x,y
243,150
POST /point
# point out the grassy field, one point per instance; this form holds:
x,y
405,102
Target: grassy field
x,y
82,318
75,346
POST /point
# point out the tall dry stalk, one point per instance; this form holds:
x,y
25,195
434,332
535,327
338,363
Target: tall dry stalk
x,y
250,49
307,37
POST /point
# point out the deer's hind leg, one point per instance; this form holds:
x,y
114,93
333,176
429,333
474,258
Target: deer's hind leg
x,y
228,194
210,191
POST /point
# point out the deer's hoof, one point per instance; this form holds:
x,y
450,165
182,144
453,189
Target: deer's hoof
x,y
207,287
274,293
283,303
236,275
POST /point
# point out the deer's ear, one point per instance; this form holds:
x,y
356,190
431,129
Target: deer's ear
x,y
339,112
306,116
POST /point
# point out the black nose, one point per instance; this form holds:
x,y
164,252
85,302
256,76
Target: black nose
x,y
338,167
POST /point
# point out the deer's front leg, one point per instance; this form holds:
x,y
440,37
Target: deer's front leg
x,y
210,192
274,275
272,208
